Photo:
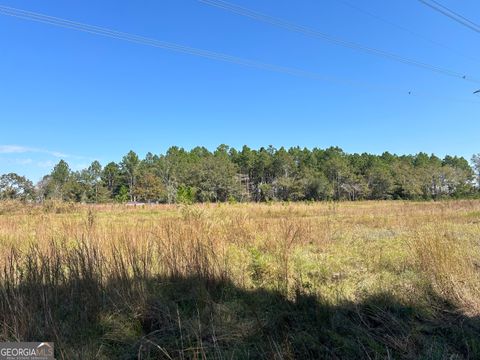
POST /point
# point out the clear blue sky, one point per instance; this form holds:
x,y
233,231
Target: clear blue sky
x,y
78,96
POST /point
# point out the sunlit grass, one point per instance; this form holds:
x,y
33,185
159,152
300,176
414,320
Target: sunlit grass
x,y
204,280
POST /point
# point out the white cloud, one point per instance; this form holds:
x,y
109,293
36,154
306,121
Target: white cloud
x,y
12,149
17,149
16,161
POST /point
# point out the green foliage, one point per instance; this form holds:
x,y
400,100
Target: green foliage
x,y
59,178
123,195
61,172
258,267
186,194
16,187
129,165
476,166
266,174
266,192
111,177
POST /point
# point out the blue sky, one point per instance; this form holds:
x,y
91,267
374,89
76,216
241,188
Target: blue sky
x,y
78,96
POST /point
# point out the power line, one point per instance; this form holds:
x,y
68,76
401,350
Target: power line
x,y
96,30
243,11
451,14
92,29
407,30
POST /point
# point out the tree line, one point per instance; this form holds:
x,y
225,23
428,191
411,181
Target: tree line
x,y
266,174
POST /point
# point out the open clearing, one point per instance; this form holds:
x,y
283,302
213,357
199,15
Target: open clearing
x,y
234,281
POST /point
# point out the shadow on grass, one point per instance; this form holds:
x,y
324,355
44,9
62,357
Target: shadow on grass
x,y
196,318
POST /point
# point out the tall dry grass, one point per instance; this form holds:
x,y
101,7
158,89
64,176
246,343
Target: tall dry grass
x,y
242,280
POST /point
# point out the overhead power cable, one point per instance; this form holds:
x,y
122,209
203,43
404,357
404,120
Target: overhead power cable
x,y
407,30
451,14
102,31
243,11
97,30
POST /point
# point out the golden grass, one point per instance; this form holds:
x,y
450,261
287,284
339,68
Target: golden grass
x,y
335,252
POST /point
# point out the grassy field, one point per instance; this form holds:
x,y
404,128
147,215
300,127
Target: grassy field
x,y
364,280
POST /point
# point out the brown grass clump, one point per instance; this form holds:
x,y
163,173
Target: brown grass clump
x,y
322,280
450,257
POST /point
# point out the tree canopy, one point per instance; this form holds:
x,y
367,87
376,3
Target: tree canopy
x,y
266,174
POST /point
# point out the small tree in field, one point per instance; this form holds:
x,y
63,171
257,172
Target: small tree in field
x,y
123,195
